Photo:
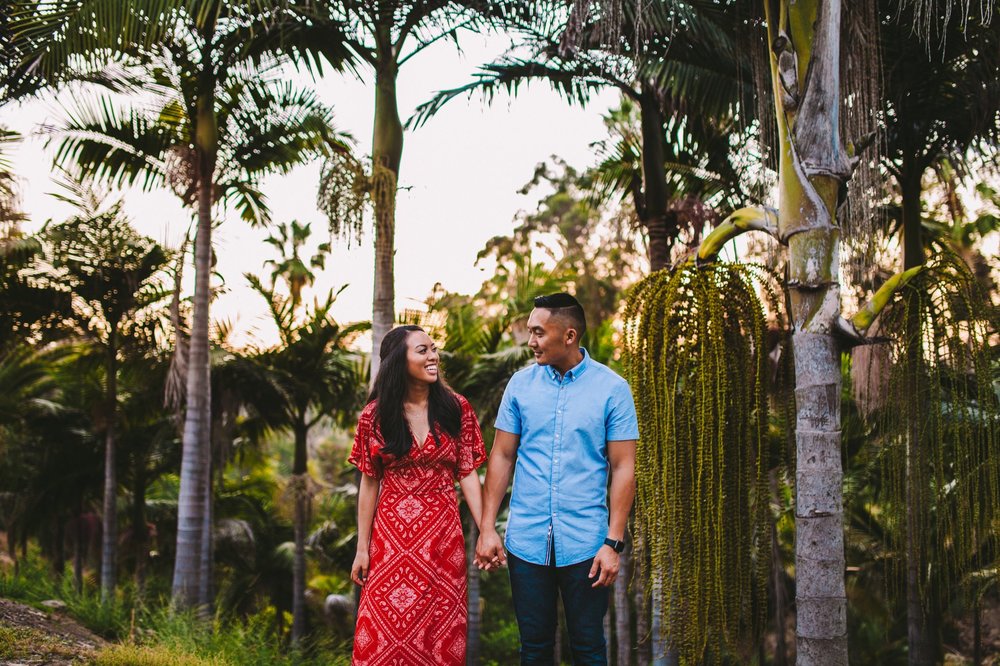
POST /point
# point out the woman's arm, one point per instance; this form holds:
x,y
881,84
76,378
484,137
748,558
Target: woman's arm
x,y
472,489
367,499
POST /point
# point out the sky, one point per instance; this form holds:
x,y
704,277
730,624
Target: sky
x,y
459,180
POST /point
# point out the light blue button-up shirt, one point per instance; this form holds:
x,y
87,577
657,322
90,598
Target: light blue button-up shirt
x,y
560,490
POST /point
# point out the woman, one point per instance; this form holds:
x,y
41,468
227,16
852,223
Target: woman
x,y
414,439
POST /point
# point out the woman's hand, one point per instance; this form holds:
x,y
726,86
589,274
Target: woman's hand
x,y
359,570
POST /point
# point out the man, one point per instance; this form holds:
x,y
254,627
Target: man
x,y
563,423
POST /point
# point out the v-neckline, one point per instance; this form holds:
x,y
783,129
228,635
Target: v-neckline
x,y
420,443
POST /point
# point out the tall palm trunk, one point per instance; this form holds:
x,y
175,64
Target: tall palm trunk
x,y
300,484
623,633
920,635
474,633
192,501
653,211
653,214
109,541
205,594
387,151
140,533
642,606
804,37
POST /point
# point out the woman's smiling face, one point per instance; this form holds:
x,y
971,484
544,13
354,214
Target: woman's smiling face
x,y
421,357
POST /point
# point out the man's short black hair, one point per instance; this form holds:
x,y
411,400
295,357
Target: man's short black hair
x,y
567,307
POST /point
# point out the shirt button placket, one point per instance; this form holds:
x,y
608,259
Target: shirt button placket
x,y
557,448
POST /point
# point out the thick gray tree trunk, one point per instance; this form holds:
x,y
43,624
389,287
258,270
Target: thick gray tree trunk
x,y
804,37
192,501
109,541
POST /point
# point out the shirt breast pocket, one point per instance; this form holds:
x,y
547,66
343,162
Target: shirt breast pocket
x,y
591,425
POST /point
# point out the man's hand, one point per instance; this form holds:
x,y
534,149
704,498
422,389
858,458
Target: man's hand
x,y
606,562
359,570
490,553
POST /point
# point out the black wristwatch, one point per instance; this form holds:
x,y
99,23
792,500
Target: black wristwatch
x,y
618,546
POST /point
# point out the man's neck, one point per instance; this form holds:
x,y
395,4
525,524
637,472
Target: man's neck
x,y
571,361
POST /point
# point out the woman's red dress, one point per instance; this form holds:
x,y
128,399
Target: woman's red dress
x,y
413,608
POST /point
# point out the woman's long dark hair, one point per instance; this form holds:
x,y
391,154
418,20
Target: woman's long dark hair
x,y
443,411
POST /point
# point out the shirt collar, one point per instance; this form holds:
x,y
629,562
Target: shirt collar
x,y
574,372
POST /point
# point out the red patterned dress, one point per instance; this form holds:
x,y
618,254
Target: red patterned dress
x,y
413,608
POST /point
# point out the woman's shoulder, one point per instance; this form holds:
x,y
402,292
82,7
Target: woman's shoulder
x,y
462,401
368,413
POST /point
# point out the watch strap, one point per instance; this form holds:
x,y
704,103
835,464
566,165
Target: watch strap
x,y
618,546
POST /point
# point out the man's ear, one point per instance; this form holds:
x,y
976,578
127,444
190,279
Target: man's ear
x,y
572,336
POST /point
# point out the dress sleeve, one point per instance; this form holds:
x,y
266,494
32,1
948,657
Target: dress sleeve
x,y
363,455
471,450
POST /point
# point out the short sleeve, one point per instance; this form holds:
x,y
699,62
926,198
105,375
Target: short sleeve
x,y
363,455
471,450
509,414
620,420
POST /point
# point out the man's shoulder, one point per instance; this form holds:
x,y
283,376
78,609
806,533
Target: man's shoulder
x,y
527,373
606,375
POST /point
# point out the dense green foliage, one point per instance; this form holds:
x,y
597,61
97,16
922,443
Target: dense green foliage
x,y
697,360
88,342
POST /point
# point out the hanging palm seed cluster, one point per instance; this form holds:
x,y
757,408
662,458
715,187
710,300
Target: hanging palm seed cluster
x,y
696,360
940,421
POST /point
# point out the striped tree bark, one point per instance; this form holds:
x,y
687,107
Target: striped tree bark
x,y
804,39
109,539
192,502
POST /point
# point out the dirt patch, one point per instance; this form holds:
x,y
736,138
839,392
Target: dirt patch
x,y
29,636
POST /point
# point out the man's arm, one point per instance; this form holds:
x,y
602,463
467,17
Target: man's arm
x,y
621,456
489,549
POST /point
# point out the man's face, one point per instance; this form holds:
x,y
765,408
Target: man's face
x,y
549,338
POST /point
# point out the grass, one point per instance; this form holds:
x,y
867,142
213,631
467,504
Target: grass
x,y
253,641
24,643
141,655
33,583
161,636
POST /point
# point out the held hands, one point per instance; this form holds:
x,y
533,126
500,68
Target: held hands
x,y
490,553
359,570
606,562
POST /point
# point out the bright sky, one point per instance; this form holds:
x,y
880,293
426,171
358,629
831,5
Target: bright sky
x,y
460,174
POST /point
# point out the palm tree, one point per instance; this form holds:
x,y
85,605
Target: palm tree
x,y
385,35
225,127
940,107
315,378
684,106
111,272
805,41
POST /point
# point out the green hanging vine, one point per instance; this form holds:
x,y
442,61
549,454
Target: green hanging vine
x,y
940,425
695,354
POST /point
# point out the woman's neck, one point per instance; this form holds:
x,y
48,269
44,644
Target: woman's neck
x,y
417,393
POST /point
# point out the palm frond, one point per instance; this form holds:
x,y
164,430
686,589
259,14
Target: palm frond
x,y
574,84
123,146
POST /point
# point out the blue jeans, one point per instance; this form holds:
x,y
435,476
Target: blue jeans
x,y
535,588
